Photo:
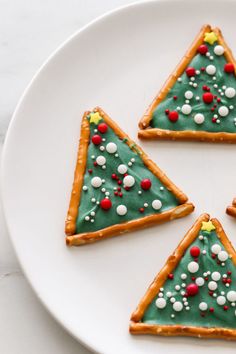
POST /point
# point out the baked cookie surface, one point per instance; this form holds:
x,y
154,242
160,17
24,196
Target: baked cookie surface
x,y
195,292
116,187
231,210
198,101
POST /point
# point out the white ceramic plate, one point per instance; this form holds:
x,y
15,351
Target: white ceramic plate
x,y
117,62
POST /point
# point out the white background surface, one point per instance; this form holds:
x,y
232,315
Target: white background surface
x,y
29,32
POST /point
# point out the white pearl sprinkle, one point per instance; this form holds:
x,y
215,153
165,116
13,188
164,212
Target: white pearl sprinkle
x,y
96,182
223,256
188,94
122,169
129,181
230,92
178,306
223,111
216,248
87,218
221,300
111,148
219,50
193,267
85,188
212,285
199,118
186,109
183,276
160,303
203,306
210,69
216,276
200,281
156,204
101,160
231,296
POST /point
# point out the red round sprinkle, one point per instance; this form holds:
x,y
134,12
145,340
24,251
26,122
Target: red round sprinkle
x,y
167,111
202,49
206,278
127,188
95,163
214,121
90,170
218,100
175,97
96,139
195,251
173,116
119,189
229,281
170,276
203,69
120,194
113,176
192,289
141,210
205,88
193,278
190,71
102,128
105,204
213,254
229,272
212,109
146,184
207,97
224,281
116,193
229,68
226,308
211,293
119,182
211,309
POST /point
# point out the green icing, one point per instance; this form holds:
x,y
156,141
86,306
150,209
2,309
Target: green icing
x,y
186,122
131,199
193,316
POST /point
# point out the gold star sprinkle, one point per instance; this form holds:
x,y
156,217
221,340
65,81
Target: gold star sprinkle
x,y
207,226
210,37
95,118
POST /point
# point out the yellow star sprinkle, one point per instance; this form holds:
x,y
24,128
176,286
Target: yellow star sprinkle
x,y
207,226
210,37
95,118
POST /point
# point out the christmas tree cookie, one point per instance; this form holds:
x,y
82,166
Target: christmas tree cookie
x,y
117,188
194,294
198,101
231,210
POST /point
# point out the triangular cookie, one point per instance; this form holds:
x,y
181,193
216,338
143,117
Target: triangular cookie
x,y
231,210
195,292
117,188
198,101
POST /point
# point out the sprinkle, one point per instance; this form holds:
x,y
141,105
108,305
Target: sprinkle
x,y
85,188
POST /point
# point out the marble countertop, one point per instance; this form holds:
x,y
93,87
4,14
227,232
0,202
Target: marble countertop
x,y
30,31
